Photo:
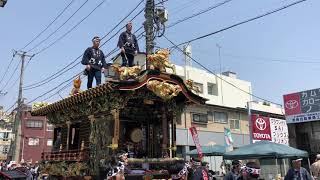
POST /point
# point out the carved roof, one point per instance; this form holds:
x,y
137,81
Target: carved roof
x,y
110,86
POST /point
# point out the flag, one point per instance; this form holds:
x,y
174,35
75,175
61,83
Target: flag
x,y
228,139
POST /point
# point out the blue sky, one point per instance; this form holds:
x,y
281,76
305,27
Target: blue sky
x,y
289,35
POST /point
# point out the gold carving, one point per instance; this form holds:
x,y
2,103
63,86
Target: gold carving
x,y
38,105
163,89
76,86
126,73
160,60
192,87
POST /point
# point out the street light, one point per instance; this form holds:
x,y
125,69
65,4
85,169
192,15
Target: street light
x,y
3,3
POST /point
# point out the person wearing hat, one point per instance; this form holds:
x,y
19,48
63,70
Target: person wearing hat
x,y
251,171
128,45
297,172
234,172
200,171
94,61
179,170
315,168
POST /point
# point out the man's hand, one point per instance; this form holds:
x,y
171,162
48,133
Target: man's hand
x,y
122,50
103,70
135,53
88,67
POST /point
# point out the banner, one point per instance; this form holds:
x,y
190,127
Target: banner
x,y
260,128
195,138
228,139
303,106
269,129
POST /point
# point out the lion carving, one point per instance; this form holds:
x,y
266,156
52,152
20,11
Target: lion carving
x,y
126,73
160,60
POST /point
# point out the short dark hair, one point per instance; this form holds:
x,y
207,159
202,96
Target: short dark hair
x,y
96,37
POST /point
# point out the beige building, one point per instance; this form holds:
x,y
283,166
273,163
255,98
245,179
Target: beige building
x,y
5,134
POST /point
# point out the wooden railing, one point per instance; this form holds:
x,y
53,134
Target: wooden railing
x,y
72,155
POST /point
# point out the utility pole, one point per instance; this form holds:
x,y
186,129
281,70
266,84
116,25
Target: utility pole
x,y
249,122
15,146
149,14
219,48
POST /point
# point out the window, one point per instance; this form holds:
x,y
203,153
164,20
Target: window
x,y
5,149
33,142
49,142
220,117
235,124
210,116
200,118
200,86
50,127
212,89
34,124
4,136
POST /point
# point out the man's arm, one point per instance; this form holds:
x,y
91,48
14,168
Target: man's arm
x,y
121,40
86,57
136,43
104,64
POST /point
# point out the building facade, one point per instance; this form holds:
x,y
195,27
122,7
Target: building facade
x,y
5,134
36,137
226,108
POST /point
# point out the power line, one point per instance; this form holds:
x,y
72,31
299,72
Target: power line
x,y
58,27
7,69
177,47
243,22
10,107
70,30
13,73
54,88
271,59
56,18
124,18
199,13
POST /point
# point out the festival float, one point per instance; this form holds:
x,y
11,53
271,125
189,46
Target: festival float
x,y
135,113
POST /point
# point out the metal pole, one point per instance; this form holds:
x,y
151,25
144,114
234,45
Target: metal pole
x,y
219,47
149,14
277,167
249,121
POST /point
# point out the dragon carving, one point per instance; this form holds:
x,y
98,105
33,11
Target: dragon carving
x,y
163,89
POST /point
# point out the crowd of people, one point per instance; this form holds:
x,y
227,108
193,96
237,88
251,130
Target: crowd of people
x,y
31,170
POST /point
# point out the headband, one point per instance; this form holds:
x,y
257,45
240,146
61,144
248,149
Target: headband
x,y
253,171
181,173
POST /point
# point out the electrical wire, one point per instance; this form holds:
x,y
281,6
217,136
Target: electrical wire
x,y
219,77
70,30
56,18
242,22
58,27
199,13
54,88
271,59
13,73
7,69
